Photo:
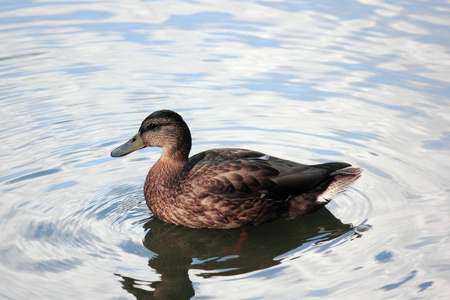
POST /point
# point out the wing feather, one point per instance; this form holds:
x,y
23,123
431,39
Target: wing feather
x,y
237,172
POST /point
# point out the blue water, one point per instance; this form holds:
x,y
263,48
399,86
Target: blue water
x,y
366,82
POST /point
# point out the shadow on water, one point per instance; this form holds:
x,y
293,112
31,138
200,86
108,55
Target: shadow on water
x,y
224,252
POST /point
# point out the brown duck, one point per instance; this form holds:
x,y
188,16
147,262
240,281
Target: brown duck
x,y
228,188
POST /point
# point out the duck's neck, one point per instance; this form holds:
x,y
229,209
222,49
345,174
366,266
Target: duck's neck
x,y
166,174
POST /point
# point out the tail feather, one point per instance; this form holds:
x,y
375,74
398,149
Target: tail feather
x,y
342,180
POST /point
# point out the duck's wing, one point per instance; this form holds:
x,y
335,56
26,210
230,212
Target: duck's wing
x,y
241,173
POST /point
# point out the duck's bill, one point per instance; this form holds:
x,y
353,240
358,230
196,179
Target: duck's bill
x,y
135,143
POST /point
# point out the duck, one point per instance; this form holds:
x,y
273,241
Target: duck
x,y
228,188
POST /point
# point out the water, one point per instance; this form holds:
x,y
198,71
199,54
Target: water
x,y
366,82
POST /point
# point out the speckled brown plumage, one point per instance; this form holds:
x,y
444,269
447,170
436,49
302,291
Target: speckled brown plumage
x,y
228,188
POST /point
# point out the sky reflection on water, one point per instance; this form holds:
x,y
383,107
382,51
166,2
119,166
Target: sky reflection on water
x,y
360,81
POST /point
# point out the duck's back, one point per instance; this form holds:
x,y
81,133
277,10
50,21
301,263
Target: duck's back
x,y
251,178
244,171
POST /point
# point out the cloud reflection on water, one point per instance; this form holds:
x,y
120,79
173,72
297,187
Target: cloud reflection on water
x,y
363,81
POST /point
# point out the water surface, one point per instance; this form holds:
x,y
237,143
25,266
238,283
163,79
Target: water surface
x,y
366,82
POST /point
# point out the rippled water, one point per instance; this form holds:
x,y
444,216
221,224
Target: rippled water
x,y
366,82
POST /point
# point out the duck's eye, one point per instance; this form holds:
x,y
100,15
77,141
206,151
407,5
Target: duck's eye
x,y
151,126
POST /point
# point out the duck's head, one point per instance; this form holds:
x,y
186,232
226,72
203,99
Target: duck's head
x,y
163,128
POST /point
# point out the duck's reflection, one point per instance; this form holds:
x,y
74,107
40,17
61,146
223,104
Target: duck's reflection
x,y
224,252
